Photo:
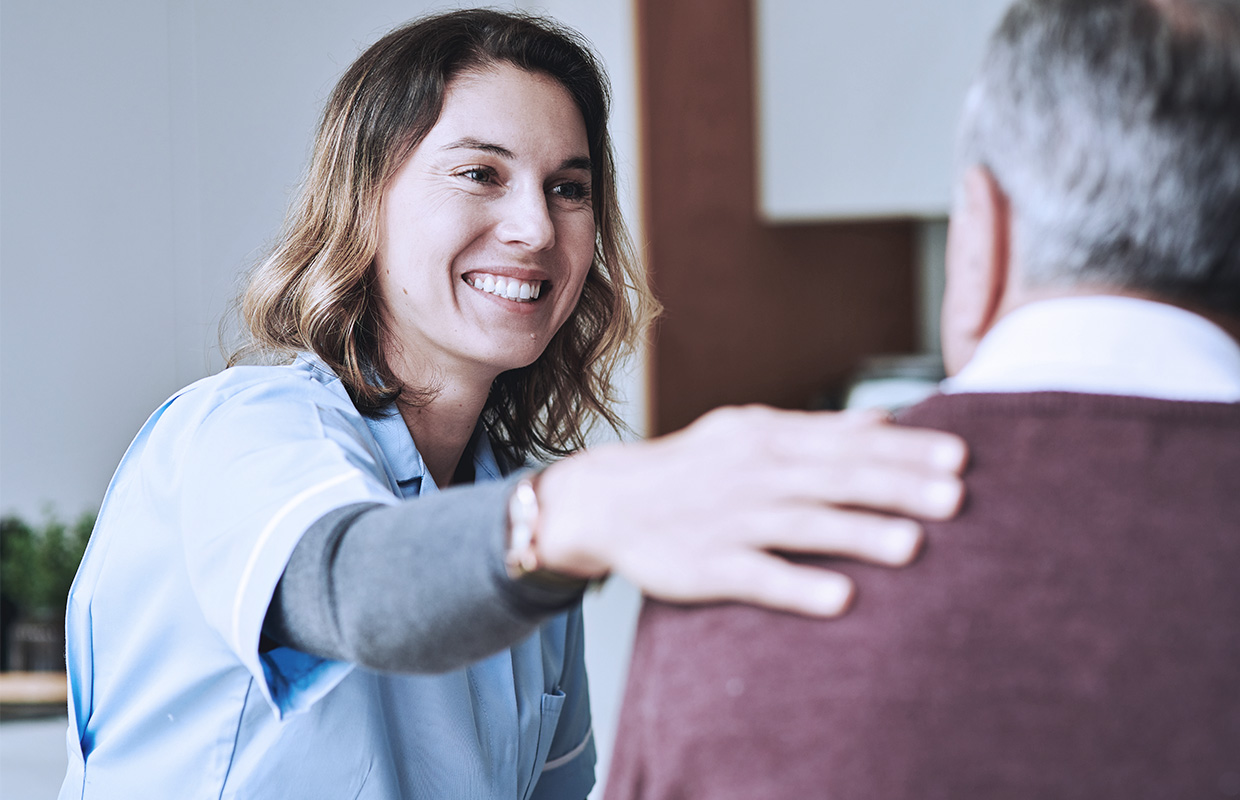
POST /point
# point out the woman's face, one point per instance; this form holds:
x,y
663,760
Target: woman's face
x,y
487,229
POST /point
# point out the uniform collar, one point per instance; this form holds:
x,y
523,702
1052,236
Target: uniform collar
x,y
390,431
403,458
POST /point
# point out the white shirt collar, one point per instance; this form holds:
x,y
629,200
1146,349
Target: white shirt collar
x,y
1105,345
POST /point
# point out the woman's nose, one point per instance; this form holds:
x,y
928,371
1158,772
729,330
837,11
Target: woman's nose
x,y
526,220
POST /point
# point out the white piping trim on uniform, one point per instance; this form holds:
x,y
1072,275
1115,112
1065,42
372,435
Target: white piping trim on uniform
x,y
265,535
571,754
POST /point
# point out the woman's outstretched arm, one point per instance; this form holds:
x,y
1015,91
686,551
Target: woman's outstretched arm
x,y
700,515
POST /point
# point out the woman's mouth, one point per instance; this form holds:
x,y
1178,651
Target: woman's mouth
x,y
521,291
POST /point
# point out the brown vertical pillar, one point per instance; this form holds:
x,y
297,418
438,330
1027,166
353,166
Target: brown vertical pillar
x,y
755,312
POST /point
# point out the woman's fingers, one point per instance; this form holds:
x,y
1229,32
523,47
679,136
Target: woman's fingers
x,y
817,435
847,533
696,515
865,483
847,459
761,579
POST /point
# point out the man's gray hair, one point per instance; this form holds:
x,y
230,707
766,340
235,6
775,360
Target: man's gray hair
x,y
1114,128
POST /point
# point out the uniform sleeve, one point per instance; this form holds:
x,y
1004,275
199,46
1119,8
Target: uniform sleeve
x,y
418,587
263,464
568,772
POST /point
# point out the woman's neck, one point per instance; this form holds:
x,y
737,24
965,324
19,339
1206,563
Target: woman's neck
x,y
443,423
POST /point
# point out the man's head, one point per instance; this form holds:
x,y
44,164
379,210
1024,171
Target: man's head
x,y
1099,153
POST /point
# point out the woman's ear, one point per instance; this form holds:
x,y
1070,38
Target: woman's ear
x,y
978,260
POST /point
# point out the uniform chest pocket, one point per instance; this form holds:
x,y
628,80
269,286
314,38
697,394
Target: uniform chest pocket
x,y
552,704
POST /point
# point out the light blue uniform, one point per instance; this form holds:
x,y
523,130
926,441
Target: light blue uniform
x,y
169,695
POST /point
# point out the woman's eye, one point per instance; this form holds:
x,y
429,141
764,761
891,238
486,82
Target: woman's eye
x,y
478,174
572,190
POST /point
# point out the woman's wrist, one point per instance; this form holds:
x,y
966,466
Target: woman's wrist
x,y
569,522
526,556
524,518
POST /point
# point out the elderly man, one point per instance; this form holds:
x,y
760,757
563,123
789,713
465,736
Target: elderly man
x,y
1076,632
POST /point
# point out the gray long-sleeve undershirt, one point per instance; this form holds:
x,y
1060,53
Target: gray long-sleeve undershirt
x,y
416,587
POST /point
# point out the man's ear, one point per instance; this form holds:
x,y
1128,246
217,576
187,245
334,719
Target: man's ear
x,y
978,260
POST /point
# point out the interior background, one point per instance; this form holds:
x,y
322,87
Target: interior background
x,y
149,148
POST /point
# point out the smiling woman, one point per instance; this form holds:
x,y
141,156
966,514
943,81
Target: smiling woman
x,y
438,78
334,575
498,193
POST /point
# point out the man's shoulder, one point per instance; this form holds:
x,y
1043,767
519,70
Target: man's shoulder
x,y
967,410
1046,441
1060,460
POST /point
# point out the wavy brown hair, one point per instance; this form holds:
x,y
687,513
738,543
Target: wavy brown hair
x,y
316,290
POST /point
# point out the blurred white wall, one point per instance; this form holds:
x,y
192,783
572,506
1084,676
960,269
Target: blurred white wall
x,y
148,150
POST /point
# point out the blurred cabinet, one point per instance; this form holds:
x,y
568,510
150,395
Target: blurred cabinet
x,y
858,103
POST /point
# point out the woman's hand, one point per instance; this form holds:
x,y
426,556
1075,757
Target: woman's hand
x,y
694,516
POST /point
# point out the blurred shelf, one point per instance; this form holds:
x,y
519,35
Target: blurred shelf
x,y
28,695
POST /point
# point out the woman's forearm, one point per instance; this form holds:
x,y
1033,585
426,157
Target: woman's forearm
x,y
416,587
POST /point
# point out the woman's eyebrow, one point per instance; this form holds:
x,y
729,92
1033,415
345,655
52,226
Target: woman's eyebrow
x,y
470,143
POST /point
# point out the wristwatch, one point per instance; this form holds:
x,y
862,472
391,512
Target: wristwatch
x,y
521,555
521,558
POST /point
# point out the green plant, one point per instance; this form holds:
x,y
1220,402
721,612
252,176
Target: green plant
x,y
37,563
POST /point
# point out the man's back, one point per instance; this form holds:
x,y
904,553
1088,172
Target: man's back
x,y
1073,634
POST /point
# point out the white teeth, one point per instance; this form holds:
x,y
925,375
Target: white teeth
x,y
510,288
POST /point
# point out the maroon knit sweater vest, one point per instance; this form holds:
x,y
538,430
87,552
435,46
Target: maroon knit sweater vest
x,y
1075,633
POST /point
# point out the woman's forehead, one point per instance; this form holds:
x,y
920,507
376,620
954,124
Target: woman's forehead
x,y
505,105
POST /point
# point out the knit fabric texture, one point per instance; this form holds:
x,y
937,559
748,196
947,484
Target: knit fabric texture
x,y
1074,633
